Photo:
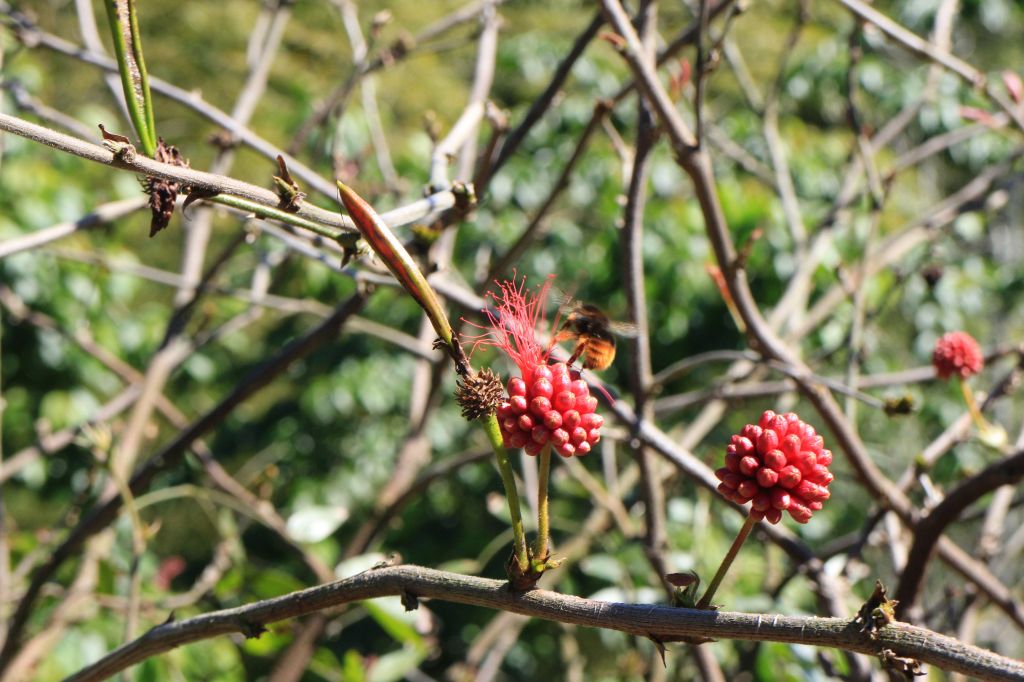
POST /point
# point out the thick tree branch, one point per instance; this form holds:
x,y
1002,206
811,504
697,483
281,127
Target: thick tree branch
x,y
644,620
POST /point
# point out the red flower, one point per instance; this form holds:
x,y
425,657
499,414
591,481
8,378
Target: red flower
x,y
547,403
957,353
780,464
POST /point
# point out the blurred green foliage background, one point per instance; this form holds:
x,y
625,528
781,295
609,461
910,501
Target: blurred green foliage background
x,y
321,442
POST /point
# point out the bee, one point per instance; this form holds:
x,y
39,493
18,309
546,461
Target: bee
x,y
593,332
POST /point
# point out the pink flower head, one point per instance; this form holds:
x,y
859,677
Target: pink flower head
x,y
546,403
957,353
779,464
514,328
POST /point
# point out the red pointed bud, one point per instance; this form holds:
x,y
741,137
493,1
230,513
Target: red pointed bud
x,y
540,406
766,477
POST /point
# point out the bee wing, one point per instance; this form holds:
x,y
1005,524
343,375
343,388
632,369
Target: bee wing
x,y
563,299
624,329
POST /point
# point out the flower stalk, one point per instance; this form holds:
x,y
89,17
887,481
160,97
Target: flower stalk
x,y
520,554
540,552
730,556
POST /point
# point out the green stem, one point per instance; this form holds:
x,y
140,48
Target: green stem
x,y
134,80
147,97
279,215
544,472
748,525
972,407
509,481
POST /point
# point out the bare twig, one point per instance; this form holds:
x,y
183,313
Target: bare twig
x,y
1006,471
214,184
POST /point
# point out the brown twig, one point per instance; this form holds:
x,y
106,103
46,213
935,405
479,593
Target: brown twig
x,y
1007,471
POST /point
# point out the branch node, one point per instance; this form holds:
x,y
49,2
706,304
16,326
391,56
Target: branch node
x,y
877,612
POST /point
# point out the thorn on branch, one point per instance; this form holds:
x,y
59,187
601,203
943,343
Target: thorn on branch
x,y
907,667
194,195
659,644
252,630
410,601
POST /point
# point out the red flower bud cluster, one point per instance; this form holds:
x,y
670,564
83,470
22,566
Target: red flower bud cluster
x,y
556,408
957,353
780,464
547,403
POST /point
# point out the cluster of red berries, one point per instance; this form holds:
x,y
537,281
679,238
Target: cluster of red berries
x,y
779,464
957,353
555,407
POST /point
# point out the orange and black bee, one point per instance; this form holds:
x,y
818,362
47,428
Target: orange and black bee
x,y
593,332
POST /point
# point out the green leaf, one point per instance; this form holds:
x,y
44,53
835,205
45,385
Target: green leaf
x,y
394,619
394,666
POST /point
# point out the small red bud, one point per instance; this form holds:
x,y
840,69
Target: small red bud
x,y
767,477
552,420
516,386
749,465
540,406
542,387
564,400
